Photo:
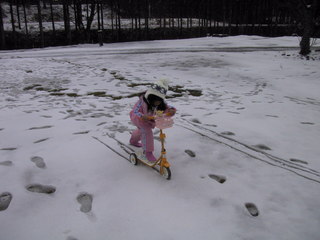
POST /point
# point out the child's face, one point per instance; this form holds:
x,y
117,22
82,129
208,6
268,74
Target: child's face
x,y
154,100
157,103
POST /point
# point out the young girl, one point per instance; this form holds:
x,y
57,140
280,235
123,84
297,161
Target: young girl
x,y
149,102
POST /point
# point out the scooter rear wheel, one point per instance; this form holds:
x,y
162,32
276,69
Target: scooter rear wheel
x,y
133,159
166,173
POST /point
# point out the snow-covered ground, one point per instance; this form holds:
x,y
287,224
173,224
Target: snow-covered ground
x,y
250,114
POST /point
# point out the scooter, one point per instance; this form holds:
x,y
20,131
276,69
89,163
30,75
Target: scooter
x,y
162,121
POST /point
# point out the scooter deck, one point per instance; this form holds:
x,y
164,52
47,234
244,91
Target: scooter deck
x,y
145,161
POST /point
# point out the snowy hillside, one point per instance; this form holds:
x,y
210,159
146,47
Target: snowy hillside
x,y
244,150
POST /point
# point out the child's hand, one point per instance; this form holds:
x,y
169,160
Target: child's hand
x,y
147,118
171,112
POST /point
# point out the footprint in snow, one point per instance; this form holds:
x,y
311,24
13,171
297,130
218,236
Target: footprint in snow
x,y
261,147
190,153
85,200
71,238
218,178
273,116
78,133
9,149
195,120
307,123
38,161
102,123
227,133
46,116
298,160
38,188
6,163
41,127
233,112
5,199
252,209
41,140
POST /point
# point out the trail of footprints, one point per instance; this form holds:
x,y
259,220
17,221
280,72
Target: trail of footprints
x,y
251,207
84,199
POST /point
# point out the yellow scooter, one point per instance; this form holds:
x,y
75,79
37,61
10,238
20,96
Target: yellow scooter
x,y
162,121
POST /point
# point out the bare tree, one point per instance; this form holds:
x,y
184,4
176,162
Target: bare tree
x,y
308,10
13,25
52,18
40,24
66,17
304,14
91,10
90,15
2,35
25,17
18,14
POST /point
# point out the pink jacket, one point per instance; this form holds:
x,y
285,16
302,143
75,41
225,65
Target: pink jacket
x,y
140,109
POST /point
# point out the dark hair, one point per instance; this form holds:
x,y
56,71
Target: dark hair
x,y
150,102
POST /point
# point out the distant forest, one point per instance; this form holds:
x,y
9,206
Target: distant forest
x,y
63,22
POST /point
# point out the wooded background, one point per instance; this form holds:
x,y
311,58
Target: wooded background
x,y
33,23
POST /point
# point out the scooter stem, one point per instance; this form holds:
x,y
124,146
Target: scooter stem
x,y
163,161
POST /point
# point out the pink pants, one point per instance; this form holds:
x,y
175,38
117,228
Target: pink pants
x,y
145,134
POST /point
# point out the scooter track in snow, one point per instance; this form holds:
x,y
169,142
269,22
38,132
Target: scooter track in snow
x,y
123,146
299,170
111,148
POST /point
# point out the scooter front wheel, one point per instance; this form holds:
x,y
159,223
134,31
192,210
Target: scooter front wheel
x,y
133,159
166,173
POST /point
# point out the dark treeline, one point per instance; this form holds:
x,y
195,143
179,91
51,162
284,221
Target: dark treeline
x,y
86,21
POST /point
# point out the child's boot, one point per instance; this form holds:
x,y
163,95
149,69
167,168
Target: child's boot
x,y
135,138
150,157
136,144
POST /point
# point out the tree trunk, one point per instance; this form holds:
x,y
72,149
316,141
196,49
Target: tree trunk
x,y
66,17
13,26
112,17
2,35
119,19
101,14
224,16
98,15
40,25
308,13
25,17
91,16
90,20
146,18
87,11
230,17
18,14
52,18
75,12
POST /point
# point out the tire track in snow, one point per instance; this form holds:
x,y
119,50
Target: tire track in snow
x,y
123,146
111,148
295,168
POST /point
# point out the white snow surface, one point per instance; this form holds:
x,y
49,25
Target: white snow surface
x,y
256,124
